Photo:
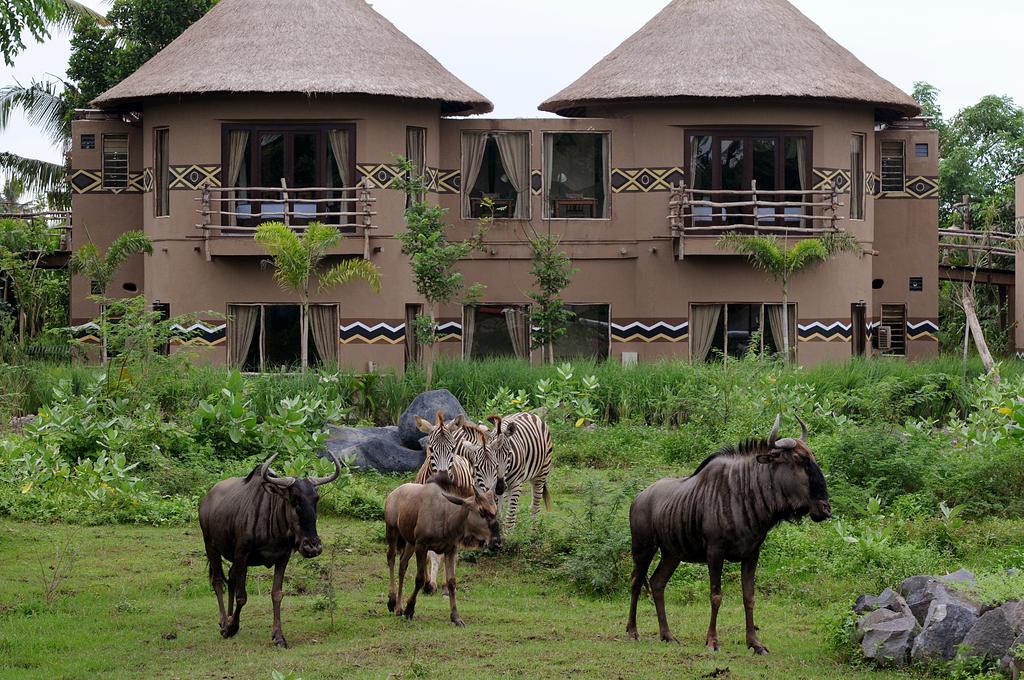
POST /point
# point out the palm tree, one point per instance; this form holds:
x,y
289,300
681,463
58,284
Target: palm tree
x,y
37,17
101,268
781,263
47,105
297,259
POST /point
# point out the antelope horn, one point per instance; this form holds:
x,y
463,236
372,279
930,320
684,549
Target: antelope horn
x,y
265,473
803,429
775,431
317,481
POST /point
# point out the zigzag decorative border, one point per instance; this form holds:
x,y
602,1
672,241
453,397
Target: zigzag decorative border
x,y
371,334
645,180
922,330
820,331
651,331
199,334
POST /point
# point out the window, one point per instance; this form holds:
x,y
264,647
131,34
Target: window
x,y
921,150
316,161
161,173
89,141
857,177
496,166
894,171
267,337
587,334
894,317
576,167
115,162
494,330
732,160
732,330
416,153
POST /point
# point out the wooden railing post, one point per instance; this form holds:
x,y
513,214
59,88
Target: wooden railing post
x,y
367,206
284,195
756,208
833,204
206,208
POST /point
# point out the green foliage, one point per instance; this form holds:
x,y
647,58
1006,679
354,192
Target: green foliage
x,y
17,16
994,588
552,271
598,561
569,397
101,267
38,292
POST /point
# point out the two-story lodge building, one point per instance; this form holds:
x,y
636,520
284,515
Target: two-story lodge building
x,y
718,115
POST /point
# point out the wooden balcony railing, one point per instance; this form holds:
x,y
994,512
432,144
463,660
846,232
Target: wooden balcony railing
x,y
57,221
239,211
711,212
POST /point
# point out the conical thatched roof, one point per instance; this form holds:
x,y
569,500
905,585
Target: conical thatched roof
x,y
304,46
731,49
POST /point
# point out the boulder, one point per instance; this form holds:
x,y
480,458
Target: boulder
x,y
1013,663
995,632
918,592
886,636
959,577
426,406
866,603
888,599
376,448
947,624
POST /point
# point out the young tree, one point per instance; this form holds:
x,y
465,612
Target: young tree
x,y
298,259
781,262
432,256
552,271
24,245
100,268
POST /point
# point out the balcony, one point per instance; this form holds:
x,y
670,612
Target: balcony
x,y
230,216
58,227
698,218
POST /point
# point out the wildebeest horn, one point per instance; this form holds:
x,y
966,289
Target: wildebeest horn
x,y
265,473
317,481
803,429
775,431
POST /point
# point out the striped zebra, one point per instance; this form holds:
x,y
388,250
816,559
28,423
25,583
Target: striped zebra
x,y
521,443
458,450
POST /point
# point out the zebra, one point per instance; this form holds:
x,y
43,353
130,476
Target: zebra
x,y
457,451
521,443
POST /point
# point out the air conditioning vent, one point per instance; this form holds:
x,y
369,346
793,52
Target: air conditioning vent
x,y
884,339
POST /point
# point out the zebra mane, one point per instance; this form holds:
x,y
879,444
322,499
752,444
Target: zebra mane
x,y
747,448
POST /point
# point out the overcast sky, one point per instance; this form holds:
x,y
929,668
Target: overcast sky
x,y
520,52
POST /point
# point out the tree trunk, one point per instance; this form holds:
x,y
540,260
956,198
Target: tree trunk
x,y
428,350
785,321
979,336
551,352
304,331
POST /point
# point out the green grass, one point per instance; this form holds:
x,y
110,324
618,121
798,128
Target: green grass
x,y
137,604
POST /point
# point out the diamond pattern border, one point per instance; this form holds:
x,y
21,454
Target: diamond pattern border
x,y
823,178
922,187
645,180
91,182
449,181
193,177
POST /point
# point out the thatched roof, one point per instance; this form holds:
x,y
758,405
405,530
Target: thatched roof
x,y
297,46
714,49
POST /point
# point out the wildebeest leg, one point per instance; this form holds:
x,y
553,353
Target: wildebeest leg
x,y
513,506
276,595
403,564
237,576
449,570
421,577
430,587
393,538
715,573
217,581
749,574
659,580
642,557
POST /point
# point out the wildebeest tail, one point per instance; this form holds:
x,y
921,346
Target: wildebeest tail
x,y
547,498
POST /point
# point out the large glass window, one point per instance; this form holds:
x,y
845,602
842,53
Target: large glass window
x,y
576,175
115,162
496,166
161,173
726,160
494,330
587,334
267,337
311,160
719,331
857,177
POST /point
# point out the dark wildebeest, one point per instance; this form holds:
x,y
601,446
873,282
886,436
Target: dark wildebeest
x,y
258,520
423,517
723,511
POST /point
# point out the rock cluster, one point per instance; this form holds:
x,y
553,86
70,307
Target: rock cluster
x,y
931,618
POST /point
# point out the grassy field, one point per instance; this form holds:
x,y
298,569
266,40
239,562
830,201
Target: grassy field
x,y
136,604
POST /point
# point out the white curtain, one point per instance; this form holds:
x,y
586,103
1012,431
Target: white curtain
x,y
342,158
241,329
238,144
518,322
514,148
774,314
468,330
474,145
323,322
703,324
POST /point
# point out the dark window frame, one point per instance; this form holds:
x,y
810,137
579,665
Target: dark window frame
x,y
468,190
883,176
608,339
751,134
259,338
794,321
610,195
161,172
858,195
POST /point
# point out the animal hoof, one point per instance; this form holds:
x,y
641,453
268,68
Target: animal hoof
x,y
229,630
458,622
281,642
399,611
392,603
429,589
669,638
760,650
632,634
409,613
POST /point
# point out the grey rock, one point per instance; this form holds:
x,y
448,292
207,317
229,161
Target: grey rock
x,y
888,599
866,603
888,638
995,632
376,448
426,406
1011,664
961,576
919,591
945,627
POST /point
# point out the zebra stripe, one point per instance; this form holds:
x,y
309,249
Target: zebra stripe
x,y
522,445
